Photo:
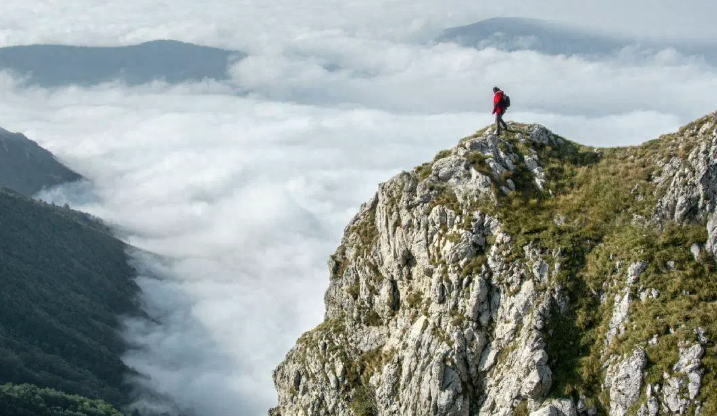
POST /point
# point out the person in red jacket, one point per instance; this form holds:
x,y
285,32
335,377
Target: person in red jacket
x,y
498,110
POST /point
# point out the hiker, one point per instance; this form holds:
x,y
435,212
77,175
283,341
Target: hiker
x,y
499,107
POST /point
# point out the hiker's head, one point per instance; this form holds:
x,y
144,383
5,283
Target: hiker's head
x,y
496,89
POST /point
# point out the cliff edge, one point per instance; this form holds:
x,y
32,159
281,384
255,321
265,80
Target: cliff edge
x,y
523,275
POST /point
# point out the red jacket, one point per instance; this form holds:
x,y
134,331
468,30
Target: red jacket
x,y
498,103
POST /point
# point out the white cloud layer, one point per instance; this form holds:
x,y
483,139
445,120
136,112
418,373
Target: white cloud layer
x,y
446,78
246,196
246,199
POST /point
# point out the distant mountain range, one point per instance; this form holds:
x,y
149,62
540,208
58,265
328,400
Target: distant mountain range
x,y
554,38
177,62
166,60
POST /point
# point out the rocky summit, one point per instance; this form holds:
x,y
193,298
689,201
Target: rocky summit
x,y
523,275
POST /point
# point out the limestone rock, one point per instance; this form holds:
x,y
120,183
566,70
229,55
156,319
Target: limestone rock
x,y
622,301
624,381
564,407
687,375
691,187
440,303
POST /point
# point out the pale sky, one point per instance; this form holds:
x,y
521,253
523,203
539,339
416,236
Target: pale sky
x,y
255,24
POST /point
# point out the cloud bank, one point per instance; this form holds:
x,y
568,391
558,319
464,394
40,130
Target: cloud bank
x,y
243,188
245,199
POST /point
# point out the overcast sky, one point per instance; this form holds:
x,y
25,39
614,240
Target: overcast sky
x,y
248,195
254,24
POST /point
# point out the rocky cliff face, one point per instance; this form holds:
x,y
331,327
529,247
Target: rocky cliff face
x,y
523,275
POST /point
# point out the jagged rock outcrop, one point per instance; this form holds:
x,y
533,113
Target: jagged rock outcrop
x,y
524,275
624,381
622,301
687,376
691,183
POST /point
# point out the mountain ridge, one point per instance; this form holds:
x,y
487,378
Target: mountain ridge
x,y
28,168
560,38
50,65
523,275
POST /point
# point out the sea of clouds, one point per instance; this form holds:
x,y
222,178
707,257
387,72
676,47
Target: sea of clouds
x,y
243,188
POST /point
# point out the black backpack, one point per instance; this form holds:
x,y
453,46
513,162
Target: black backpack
x,y
506,101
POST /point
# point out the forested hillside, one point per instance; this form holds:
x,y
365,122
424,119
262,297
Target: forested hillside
x,y
29,400
65,283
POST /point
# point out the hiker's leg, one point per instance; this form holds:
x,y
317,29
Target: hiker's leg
x,y
501,124
497,123
505,126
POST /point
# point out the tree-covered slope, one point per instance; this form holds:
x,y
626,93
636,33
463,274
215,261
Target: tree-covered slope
x,y
28,168
29,400
524,275
64,284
